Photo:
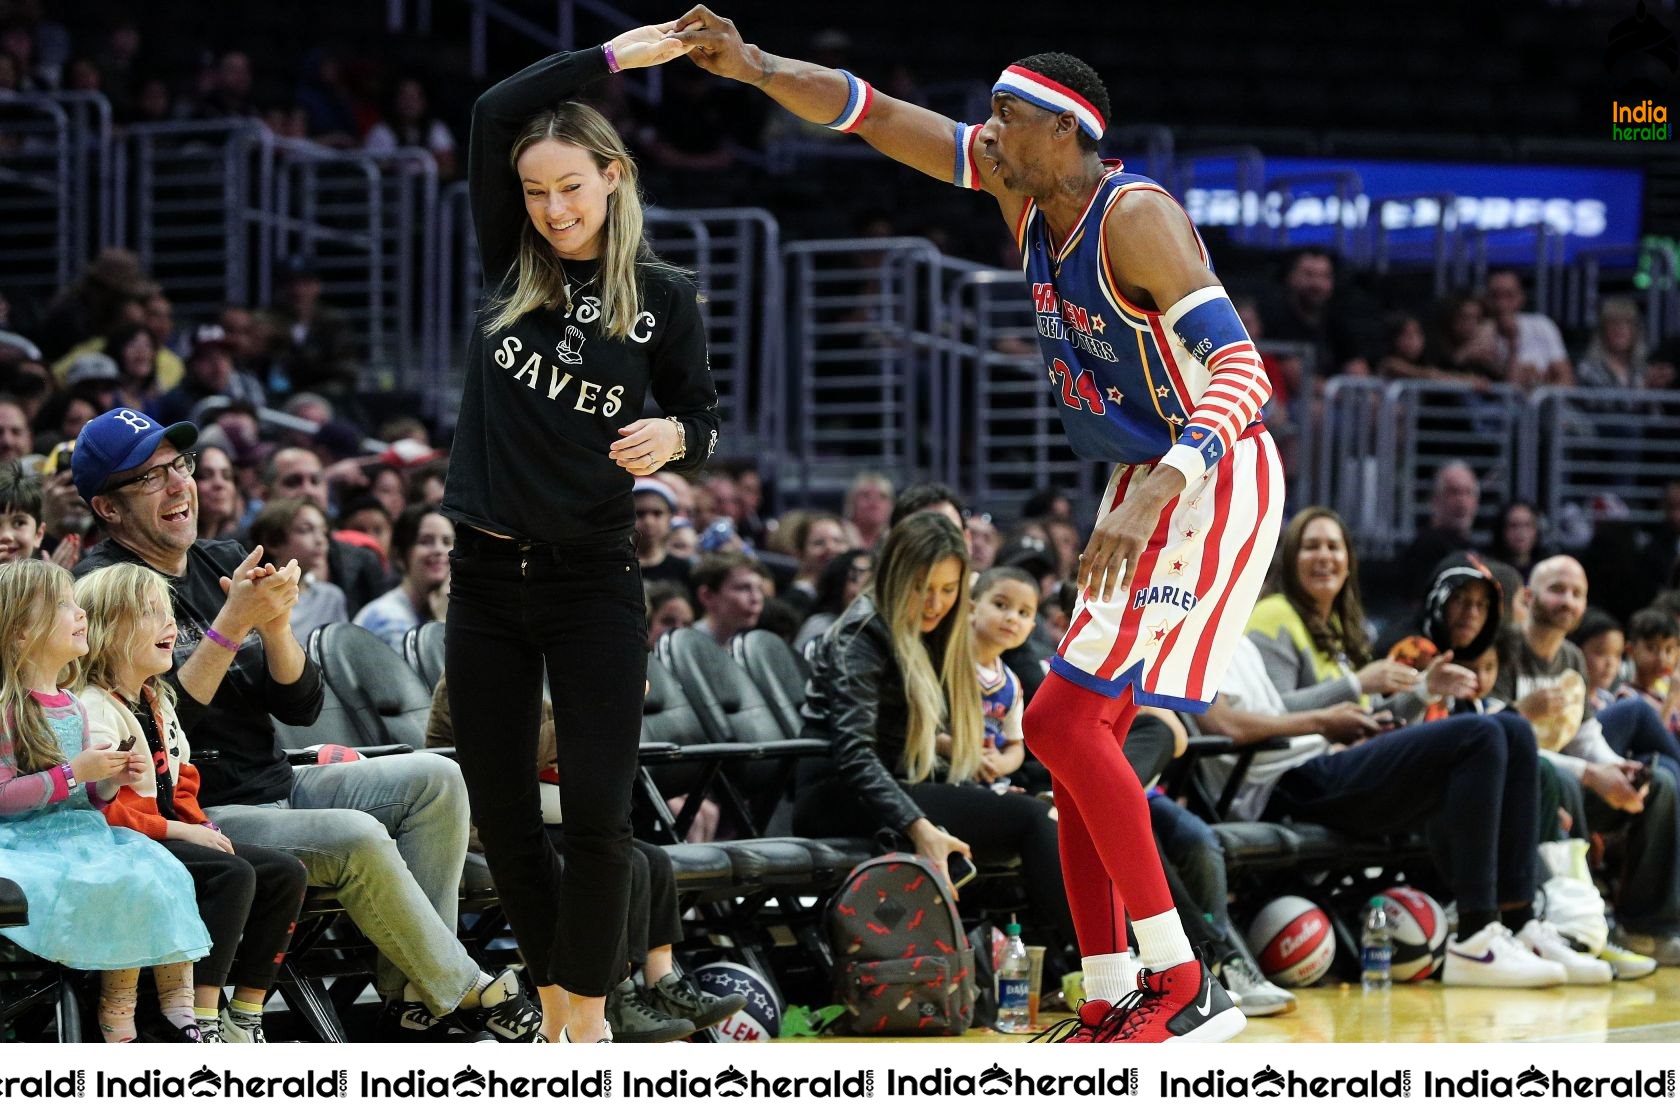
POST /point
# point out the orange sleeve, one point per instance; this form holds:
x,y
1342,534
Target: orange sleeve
x,y
187,807
130,810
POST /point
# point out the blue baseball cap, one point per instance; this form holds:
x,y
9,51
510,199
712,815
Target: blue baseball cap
x,y
118,441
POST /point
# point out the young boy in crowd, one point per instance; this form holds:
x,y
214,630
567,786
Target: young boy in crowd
x,y
1653,645
1601,640
21,530
1005,612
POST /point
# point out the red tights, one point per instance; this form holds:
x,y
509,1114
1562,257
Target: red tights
x,y
1109,860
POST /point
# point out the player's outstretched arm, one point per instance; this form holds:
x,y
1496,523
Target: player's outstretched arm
x,y
910,134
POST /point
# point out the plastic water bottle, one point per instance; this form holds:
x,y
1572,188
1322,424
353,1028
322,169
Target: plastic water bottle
x,y
1013,1015
1376,948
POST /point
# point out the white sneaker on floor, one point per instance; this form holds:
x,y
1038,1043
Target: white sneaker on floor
x,y
1252,992
1493,958
1625,963
1548,944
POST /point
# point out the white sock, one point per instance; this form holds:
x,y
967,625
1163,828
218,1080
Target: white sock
x,y
1161,942
1110,976
475,995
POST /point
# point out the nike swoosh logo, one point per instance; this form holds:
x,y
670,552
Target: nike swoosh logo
x,y
1207,998
1485,958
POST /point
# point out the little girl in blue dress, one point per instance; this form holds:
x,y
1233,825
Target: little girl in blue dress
x,y
100,899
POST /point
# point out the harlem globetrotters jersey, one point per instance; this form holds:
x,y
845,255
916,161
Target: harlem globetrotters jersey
x,y
1124,383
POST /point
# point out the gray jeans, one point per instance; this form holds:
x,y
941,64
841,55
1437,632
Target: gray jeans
x,y
390,836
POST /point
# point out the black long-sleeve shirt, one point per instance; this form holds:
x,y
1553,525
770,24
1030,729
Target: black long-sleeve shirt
x,y
233,737
545,398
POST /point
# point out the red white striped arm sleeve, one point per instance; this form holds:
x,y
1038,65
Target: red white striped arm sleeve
x,y
1208,327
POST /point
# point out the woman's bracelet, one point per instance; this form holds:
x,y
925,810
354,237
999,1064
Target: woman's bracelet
x,y
682,441
612,59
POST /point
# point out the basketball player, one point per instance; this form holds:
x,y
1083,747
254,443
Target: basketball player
x,y
1152,370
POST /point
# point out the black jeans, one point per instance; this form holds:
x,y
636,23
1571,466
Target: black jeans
x,y
249,902
514,610
652,917
1475,778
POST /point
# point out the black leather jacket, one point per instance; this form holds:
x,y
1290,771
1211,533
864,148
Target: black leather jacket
x,y
855,700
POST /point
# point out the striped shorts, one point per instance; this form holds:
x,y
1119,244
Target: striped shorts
x,y
1172,637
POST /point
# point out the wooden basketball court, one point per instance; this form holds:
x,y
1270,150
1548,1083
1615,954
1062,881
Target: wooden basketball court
x,y
1645,1010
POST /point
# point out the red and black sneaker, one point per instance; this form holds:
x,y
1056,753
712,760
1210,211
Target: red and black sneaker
x,y
1179,1004
1093,1018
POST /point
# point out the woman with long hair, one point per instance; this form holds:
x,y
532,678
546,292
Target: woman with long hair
x,y
895,693
581,324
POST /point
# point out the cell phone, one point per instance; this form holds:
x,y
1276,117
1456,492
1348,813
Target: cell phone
x,y
961,870
126,745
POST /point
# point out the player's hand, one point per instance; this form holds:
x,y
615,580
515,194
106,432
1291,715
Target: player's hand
x,y
1107,564
716,45
646,447
652,45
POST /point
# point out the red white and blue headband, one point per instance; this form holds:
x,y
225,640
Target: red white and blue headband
x,y
1051,95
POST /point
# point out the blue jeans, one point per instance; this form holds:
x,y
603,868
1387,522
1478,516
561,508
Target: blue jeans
x,y
1475,779
1634,730
390,836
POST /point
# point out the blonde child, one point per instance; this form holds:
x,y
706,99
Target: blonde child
x,y
248,896
99,898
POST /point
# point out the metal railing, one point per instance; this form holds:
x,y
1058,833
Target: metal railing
x,y
1350,468
1426,425
862,331
188,190
1605,440
38,205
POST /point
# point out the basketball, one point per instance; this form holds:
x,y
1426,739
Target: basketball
x,y
761,1019
1419,930
1293,941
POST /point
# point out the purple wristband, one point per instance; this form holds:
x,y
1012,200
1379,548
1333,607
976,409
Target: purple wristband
x,y
612,59
68,773
222,640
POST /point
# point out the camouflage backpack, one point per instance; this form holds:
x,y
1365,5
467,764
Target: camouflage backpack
x,y
903,962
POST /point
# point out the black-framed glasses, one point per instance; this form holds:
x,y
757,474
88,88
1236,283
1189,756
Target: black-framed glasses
x,y
184,464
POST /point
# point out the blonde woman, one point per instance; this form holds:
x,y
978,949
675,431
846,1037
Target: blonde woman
x,y
893,690
582,324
